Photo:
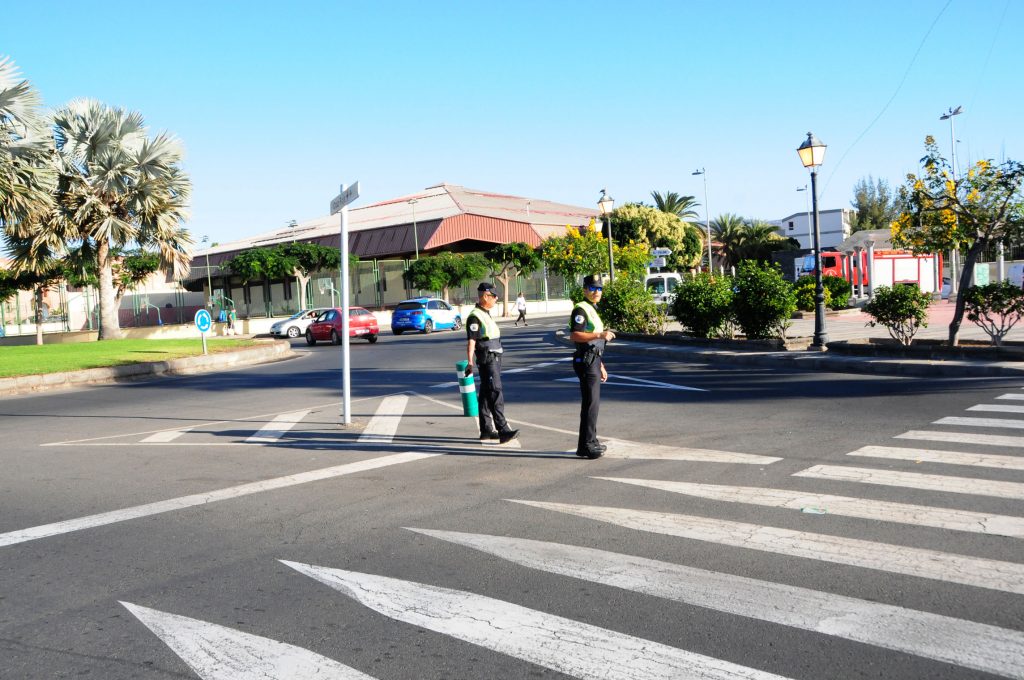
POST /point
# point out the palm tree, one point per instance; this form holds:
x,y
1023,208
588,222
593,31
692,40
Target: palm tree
x,y
731,231
116,189
759,238
681,206
26,171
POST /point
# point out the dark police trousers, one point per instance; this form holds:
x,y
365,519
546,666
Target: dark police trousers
x,y
492,402
590,389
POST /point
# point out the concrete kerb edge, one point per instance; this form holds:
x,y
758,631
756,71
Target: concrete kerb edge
x,y
814,360
264,352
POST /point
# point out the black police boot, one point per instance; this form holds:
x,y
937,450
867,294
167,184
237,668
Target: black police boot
x,y
507,436
493,434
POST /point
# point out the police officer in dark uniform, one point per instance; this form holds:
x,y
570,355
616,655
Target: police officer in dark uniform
x,y
483,348
588,332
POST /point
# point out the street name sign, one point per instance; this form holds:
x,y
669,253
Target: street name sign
x,y
661,252
657,262
344,198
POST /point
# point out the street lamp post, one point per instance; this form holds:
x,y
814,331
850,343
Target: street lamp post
x,y
807,205
707,214
209,279
812,155
415,231
606,203
954,255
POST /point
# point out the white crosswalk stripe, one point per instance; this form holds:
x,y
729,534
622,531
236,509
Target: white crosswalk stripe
x,y
219,653
936,456
165,437
382,427
1008,423
276,428
901,513
964,438
979,646
571,647
619,448
1012,395
914,480
930,564
998,408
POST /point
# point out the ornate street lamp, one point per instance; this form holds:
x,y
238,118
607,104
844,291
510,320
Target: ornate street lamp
x,y
707,215
606,204
812,155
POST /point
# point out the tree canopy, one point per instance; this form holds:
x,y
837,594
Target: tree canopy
x,y
509,260
446,270
876,204
940,212
654,228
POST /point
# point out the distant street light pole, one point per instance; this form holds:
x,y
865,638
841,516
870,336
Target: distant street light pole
x,y
812,155
415,232
954,254
606,204
807,205
209,280
707,214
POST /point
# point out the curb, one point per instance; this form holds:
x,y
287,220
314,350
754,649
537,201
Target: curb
x,y
34,384
814,360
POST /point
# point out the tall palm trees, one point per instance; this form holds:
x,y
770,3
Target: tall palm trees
x,y
744,239
681,206
117,188
26,174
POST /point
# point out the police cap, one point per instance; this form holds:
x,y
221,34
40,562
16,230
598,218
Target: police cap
x,y
485,287
593,280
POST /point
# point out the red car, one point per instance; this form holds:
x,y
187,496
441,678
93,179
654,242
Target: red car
x,y
327,326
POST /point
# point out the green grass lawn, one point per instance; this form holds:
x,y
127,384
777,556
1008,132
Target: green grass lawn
x,y
34,359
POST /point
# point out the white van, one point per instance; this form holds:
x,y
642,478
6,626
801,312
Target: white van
x,y
662,286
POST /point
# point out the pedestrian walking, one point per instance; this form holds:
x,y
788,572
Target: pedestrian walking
x,y
521,308
588,332
483,348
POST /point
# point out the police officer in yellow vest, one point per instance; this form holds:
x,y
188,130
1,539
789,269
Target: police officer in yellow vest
x,y
588,332
483,348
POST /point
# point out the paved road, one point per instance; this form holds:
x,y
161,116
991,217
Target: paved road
x,y
747,522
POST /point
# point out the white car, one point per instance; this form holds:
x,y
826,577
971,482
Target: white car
x,y
662,287
295,325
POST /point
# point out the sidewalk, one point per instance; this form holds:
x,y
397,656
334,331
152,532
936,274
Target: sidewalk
x,y
850,325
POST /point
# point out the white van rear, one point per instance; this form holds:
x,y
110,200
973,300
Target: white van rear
x,y
662,286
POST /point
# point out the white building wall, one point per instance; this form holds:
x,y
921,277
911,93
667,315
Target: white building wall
x,y
834,225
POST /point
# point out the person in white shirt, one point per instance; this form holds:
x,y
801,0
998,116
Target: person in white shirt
x,y
521,308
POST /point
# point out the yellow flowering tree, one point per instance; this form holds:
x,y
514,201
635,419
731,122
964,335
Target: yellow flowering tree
x,y
984,207
578,253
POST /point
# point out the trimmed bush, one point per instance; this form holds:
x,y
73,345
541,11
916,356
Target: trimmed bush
x,y
763,301
903,310
627,306
703,305
837,291
995,308
804,289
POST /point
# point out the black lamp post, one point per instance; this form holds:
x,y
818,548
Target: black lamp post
x,y
606,203
812,154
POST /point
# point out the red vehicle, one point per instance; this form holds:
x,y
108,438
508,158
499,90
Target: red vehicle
x,y
327,326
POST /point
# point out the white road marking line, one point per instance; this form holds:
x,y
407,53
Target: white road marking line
x,y
965,643
203,425
1013,395
916,480
67,526
619,448
385,422
638,383
517,370
570,647
981,422
930,564
998,408
277,428
963,438
443,386
219,653
883,511
936,456
165,437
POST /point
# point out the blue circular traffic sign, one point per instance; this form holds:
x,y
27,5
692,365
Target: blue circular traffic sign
x,y
203,321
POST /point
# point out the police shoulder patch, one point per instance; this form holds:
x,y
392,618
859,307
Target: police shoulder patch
x,y
474,327
578,318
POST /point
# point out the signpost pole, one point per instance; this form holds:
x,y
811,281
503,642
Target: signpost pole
x,y
346,407
340,204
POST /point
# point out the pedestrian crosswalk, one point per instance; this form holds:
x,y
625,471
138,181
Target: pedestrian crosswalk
x,y
962,487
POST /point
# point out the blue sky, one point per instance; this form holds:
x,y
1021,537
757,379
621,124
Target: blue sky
x,y
278,103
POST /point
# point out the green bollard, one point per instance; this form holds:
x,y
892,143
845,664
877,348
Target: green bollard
x,y
468,389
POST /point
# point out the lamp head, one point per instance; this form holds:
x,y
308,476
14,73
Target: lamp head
x,y
606,203
812,151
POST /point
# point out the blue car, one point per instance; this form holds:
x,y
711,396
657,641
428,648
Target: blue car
x,y
424,315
